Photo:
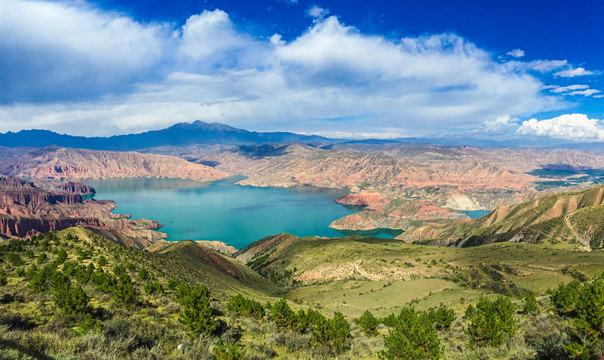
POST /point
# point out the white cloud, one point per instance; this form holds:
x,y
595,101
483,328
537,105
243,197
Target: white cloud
x,y
317,12
209,34
587,92
572,90
573,72
501,124
517,53
69,51
563,89
546,65
331,77
570,127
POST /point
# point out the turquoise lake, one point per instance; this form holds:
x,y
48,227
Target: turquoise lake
x,y
224,211
237,215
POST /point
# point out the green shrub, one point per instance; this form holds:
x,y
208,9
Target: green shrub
x,y
173,284
89,323
61,256
223,352
102,261
124,291
565,296
246,307
15,260
196,314
413,337
530,304
41,277
71,300
492,321
368,323
442,317
283,315
153,287
3,279
589,323
334,333
143,274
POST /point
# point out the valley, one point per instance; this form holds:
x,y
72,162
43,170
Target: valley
x,y
291,226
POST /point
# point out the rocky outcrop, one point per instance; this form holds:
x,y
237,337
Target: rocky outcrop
x,y
218,246
573,217
397,214
70,187
346,168
367,199
26,210
54,163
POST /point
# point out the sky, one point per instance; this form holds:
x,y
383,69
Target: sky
x,y
498,69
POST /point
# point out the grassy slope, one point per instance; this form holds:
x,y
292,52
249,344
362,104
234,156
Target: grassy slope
x,y
568,217
346,274
354,274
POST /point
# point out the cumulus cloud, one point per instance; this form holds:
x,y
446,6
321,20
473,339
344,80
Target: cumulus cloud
x,y
577,127
317,12
573,72
96,67
517,53
55,51
500,125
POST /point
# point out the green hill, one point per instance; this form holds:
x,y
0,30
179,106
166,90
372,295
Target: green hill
x,y
572,217
74,294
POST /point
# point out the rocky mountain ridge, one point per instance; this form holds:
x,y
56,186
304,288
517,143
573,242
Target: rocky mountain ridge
x,y
55,163
574,217
27,209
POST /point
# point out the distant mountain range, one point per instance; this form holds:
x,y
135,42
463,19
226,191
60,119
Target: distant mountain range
x,y
181,134
199,132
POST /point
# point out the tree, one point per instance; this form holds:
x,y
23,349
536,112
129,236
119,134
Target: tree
x,y
530,304
442,317
3,279
339,333
413,337
246,307
334,333
565,296
102,261
42,258
589,324
283,315
61,256
153,287
492,321
368,323
71,300
196,314
124,291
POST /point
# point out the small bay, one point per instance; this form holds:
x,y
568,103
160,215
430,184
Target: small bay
x,y
224,211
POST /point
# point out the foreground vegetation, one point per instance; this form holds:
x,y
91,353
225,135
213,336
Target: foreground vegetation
x,y
76,295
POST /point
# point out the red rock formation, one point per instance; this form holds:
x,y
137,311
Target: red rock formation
x,y
54,163
372,200
27,210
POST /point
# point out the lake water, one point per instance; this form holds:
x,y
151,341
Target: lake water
x,y
475,214
237,215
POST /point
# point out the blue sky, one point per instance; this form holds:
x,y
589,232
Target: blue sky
x,y
499,69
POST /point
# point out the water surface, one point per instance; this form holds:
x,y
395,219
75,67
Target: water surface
x,y
475,214
237,215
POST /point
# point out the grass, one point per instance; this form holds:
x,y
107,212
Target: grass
x,y
349,275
